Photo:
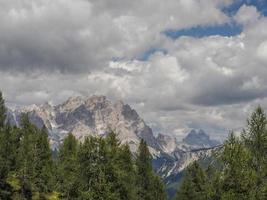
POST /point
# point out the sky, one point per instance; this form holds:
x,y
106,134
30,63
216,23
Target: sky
x,y
181,64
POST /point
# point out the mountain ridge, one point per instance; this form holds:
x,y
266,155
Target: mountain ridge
x,y
97,115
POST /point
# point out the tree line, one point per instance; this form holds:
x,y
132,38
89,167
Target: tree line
x,y
96,169
239,168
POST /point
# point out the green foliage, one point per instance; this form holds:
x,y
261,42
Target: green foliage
x,y
43,164
194,184
2,111
67,168
242,173
149,185
120,169
97,169
92,157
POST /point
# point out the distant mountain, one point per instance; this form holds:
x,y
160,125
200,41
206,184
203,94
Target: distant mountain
x,y
97,116
199,139
168,144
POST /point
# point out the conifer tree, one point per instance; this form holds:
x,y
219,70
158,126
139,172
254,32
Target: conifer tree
x,y
4,152
114,172
26,156
144,168
126,174
3,142
146,181
238,178
67,168
43,164
213,183
255,139
94,181
158,189
194,184
2,111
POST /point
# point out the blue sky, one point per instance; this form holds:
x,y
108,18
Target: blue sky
x,y
261,6
227,29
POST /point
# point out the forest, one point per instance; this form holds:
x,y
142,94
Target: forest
x,y
96,169
103,169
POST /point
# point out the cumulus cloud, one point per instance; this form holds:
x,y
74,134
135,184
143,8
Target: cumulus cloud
x,y
51,50
78,36
247,14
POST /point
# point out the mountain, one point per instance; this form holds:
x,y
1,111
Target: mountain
x,y
91,116
97,116
199,139
176,156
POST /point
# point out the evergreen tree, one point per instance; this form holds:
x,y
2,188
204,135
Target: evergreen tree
x,y
26,156
255,139
4,152
113,170
43,164
93,174
3,143
144,168
2,111
194,184
67,168
13,142
213,183
126,174
158,189
238,178
146,181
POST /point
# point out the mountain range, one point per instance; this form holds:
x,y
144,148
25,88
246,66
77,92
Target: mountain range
x,y
97,116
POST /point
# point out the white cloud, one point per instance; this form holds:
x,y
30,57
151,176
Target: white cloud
x,y
75,36
262,51
247,14
50,50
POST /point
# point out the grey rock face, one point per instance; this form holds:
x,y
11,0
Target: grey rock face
x,y
92,116
98,116
199,139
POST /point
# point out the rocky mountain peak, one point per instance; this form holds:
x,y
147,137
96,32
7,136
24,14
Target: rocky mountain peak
x,y
90,116
71,104
97,102
168,143
97,115
199,139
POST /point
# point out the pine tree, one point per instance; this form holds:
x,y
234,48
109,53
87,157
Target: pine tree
x,y
126,174
149,186
213,183
43,164
144,168
14,137
68,168
158,189
26,156
238,178
2,111
93,175
3,145
194,184
113,170
4,152
255,139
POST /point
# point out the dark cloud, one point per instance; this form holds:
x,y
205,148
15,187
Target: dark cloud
x,y
78,36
